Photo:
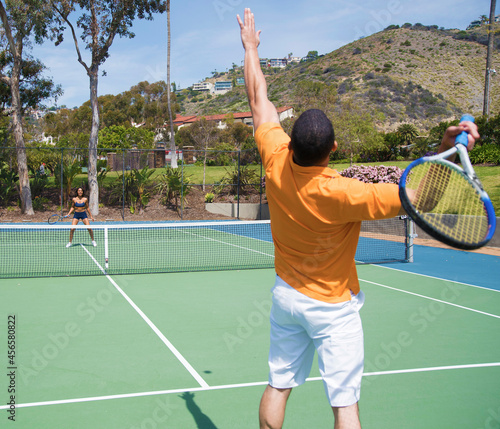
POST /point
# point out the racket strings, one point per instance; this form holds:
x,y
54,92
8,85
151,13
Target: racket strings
x,y
448,202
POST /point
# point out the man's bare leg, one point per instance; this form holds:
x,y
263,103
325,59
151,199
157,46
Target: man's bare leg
x,y
347,417
272,407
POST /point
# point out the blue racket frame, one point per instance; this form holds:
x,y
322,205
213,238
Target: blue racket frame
x,y
468,173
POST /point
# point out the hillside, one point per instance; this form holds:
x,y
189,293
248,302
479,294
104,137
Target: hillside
x,y
416,74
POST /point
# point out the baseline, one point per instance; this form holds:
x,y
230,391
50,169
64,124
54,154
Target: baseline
x,y
240,385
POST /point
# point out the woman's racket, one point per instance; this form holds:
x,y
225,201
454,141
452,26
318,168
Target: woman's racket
x,y
446,201
55,218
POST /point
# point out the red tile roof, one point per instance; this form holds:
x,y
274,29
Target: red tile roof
x,y
182,120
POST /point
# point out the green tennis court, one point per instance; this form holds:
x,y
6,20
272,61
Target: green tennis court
x,y
189,349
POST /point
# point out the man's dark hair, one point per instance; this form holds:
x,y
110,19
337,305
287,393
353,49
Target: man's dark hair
x,y
312,137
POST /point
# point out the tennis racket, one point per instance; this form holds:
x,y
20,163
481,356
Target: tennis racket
x,y
446,201
55,218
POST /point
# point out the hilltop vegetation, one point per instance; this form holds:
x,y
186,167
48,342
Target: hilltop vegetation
x,y
417,74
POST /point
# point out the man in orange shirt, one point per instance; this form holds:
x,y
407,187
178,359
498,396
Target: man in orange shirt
x,y
315,221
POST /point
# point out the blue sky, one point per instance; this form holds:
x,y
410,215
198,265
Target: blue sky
x,y
205,37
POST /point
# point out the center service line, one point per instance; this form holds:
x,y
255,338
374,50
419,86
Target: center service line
x,y
162,337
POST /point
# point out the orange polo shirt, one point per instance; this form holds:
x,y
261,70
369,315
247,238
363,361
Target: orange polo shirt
x,y
316,218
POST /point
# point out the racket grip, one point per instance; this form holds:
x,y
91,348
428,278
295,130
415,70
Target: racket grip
x,y
462,137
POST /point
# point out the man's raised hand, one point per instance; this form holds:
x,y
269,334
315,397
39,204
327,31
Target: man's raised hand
x,y
249,37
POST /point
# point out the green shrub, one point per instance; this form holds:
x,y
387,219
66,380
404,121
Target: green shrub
x,y
39,203
485,154
239,180
173,187
38,184
138,184
8,179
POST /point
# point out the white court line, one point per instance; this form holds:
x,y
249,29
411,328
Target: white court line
x,y
236,386
413,370
229,244
162,337
435,278
432,299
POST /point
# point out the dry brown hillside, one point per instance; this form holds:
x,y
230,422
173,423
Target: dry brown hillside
x,y
419,74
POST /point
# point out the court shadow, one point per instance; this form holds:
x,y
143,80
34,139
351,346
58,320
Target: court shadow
x,y
201,419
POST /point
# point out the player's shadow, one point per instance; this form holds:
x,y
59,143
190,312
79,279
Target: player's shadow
x,y
201,419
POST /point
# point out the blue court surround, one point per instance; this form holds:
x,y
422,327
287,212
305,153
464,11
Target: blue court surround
x,y
457,265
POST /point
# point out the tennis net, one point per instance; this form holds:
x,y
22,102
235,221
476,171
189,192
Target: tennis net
x,y
40,250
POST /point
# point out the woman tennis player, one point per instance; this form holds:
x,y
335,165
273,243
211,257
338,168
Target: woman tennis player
x,y
81,206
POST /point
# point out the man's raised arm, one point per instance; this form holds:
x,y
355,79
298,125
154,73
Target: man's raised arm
x,y
262,109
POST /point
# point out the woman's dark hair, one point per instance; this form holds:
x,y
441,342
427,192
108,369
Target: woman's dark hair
x,y
312,137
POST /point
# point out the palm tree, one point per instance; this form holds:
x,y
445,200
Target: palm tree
x,y
139,180
173,159
489,70
407,133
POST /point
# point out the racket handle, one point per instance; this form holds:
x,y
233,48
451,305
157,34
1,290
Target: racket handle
x,y
462,137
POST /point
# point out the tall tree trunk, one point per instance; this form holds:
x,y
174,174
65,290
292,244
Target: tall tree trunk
x,y
486,103
173,152
17,117
94,132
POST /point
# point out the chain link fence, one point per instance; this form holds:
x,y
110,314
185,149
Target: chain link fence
x,y
129,179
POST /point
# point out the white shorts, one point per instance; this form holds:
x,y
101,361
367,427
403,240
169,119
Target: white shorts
x,y
300,325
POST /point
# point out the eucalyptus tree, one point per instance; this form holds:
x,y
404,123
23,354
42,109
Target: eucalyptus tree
x,y
99,22
21,20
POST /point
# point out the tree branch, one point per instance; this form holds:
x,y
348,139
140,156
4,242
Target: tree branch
x,y
75,39
115,23
7,29
5,79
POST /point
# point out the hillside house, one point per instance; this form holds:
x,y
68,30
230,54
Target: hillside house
x,y
278,63
204,87
243,117
221,87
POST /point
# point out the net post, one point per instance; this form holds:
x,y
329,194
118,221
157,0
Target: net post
x,y
411,235
106,249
